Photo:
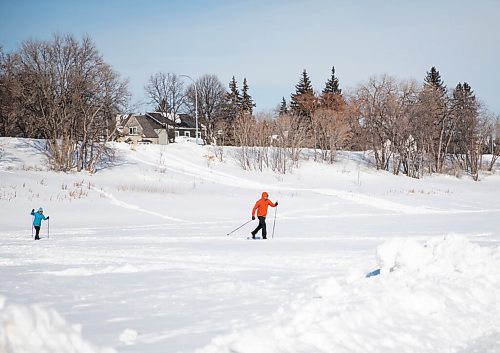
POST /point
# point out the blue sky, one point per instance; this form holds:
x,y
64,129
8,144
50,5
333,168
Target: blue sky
x,y
271,42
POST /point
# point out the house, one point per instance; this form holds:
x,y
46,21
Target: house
x,y
186,126
153,127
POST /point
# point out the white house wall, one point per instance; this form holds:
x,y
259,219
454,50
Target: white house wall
x,y
162,136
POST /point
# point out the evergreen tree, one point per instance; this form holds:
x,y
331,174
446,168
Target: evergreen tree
x,y
232,104
331,97
231,111
332,85
433,81
303,93
467,138
247,103
283,107
436,125
464,105
234,97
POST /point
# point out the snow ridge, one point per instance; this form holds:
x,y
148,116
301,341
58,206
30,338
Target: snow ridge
x,y
29,329
411,307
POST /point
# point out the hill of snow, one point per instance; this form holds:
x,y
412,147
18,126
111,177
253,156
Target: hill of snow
x,y
136,258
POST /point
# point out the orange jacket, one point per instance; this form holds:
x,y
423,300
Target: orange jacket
x,y
261,205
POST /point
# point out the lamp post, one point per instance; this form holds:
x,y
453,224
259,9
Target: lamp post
x,y
196,104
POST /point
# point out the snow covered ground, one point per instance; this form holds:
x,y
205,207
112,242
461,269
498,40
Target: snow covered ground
x,y
137,258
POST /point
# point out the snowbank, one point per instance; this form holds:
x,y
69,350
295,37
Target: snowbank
x,y
29,329
453,255
440,296
128,336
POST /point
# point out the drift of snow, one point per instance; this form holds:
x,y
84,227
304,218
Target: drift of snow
x,y
128,336
32,328
413,308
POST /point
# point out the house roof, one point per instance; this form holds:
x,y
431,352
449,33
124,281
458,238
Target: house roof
x,y
183,120
159,118
155,120
186,121
148,126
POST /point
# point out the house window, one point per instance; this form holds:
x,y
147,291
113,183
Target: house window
x,y
132,130
177,134
187,134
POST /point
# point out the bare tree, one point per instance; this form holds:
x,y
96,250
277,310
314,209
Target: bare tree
x,y
387,109
263,136
211,95
336,132
493,138
289,139
469,137
245,128
374,100
69,96
330,125
166,90
7,89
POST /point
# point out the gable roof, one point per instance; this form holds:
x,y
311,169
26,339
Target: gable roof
x,y
186,121
148,126
159,118
183,120
150,122
121,120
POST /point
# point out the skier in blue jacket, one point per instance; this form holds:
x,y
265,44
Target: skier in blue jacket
x,y
37,221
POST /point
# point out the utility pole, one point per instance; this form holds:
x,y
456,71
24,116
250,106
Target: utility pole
x,y
196,104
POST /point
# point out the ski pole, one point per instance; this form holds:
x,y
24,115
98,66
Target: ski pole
x,y
239,227
274,223
48,228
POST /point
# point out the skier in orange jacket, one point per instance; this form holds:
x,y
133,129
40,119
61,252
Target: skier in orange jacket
x,y
261,208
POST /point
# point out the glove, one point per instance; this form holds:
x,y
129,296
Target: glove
x,y
253,218
48,217
276,203
33,210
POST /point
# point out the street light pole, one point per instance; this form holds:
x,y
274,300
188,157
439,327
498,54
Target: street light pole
x,y
196,104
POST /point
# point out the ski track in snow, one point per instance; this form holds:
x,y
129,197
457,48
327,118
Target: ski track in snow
x,y
123,204
181,166
387,205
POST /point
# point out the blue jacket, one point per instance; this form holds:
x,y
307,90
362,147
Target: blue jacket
x,y
37,221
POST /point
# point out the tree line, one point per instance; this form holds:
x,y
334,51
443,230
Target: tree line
x,y
62,90
410,127
407,127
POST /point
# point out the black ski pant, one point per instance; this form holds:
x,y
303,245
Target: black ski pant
x,y
37,228
262,225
